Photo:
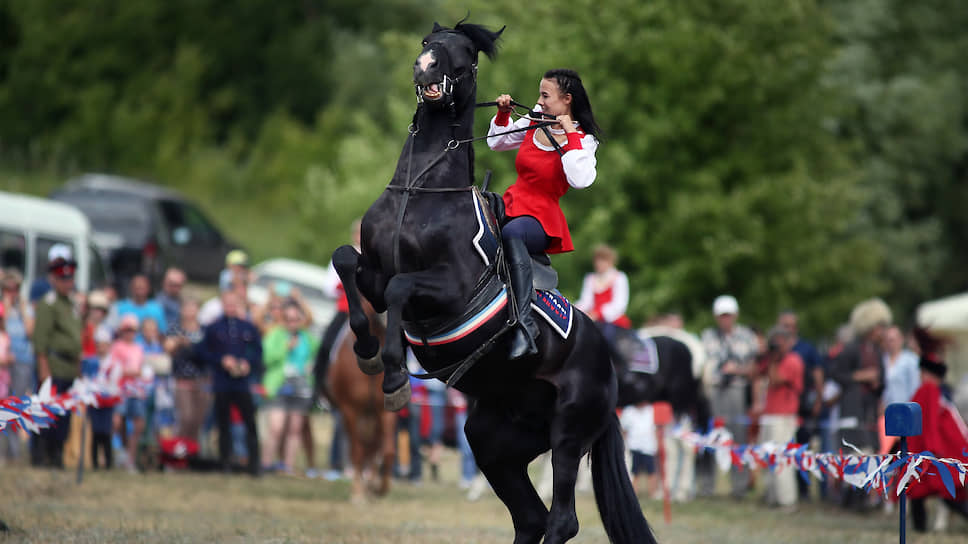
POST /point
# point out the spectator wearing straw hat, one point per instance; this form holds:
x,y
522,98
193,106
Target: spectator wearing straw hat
x,y
236,266
859,373
57,347
129,357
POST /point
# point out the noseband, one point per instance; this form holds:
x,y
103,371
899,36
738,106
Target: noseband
x,y
447,85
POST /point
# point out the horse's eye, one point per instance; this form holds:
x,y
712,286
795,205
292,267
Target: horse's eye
x,y
425,42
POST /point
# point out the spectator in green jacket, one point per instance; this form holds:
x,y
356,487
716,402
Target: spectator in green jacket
x,y
288,352
57,346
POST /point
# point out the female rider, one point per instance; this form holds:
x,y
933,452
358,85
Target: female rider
x,y
549,162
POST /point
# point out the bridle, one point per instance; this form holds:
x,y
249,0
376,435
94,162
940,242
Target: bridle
x,y
413,183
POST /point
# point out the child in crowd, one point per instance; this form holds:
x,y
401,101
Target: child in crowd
x,y
161,391
6,357
101,418
638,422
129,355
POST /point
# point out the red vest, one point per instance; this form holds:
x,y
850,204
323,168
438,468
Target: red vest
x,y
541,183
603,298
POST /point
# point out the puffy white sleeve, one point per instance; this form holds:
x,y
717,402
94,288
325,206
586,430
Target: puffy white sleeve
x,y
331,282
498,138
587,299
580,164
616,307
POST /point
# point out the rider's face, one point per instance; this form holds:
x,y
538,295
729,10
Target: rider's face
x,y
551,100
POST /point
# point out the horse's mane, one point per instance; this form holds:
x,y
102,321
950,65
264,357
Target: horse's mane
x,y
484,39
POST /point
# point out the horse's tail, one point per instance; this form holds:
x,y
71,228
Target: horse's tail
x,y
617,503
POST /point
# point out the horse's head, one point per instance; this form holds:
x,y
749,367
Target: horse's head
x,y
446,69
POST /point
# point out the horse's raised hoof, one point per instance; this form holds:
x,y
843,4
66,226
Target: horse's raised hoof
x,y
397,400
371,366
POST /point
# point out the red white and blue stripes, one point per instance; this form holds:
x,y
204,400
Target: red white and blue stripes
x,y
490,310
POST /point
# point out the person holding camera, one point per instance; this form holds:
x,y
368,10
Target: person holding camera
x,y
730,349
289,352
778,420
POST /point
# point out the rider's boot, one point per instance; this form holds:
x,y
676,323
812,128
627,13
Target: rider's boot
x,y
522,284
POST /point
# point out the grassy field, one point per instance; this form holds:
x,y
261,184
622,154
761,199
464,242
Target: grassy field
x,y
43,506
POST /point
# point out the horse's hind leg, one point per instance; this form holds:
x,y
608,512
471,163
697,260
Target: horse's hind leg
x,y
581,413
346,261
502,451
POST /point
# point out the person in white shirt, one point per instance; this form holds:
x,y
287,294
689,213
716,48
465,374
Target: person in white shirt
x,y
638,423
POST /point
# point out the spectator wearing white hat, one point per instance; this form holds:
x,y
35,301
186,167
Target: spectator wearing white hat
x,y
730,350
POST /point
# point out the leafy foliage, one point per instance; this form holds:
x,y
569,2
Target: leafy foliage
x,y
800,153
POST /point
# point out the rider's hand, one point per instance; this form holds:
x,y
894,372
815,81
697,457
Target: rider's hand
x,y
504,103
566,123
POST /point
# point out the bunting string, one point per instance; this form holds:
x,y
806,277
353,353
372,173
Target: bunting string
x,y
883,474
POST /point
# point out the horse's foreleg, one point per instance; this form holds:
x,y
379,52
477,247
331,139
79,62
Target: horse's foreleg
x,y
389,449
351,424
346,261
396,383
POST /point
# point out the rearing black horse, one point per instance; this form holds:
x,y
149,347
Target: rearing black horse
x,y
425,264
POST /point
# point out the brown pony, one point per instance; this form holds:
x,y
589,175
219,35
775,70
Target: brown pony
x,y
370,429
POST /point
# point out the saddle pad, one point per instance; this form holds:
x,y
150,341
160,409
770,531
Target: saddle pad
x,y
645,359
486,239
555,309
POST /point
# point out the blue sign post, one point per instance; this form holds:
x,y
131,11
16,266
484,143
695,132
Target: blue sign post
x,y
903,419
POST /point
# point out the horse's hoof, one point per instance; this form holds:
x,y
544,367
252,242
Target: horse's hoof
x,y
399,399
371,366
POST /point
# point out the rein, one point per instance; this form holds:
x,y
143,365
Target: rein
x,y
452,373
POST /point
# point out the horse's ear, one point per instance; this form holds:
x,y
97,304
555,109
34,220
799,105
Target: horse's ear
x,y
437,28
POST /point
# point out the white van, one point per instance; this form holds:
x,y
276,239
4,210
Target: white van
x,y
29,226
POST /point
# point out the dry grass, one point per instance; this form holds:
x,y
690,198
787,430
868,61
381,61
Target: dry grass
x,y
46,507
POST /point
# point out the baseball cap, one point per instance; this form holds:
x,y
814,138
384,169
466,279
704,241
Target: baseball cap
x,y
236,257
725,304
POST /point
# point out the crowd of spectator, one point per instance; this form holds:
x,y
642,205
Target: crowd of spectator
x,y
233,378
770,385
187,367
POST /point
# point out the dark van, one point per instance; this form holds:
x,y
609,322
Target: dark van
x,y
145,228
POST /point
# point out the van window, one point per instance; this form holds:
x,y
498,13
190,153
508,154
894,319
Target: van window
x,y
187,225
99,276
40,255
13,251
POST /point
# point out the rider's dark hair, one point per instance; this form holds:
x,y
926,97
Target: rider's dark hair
x,y
581,108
